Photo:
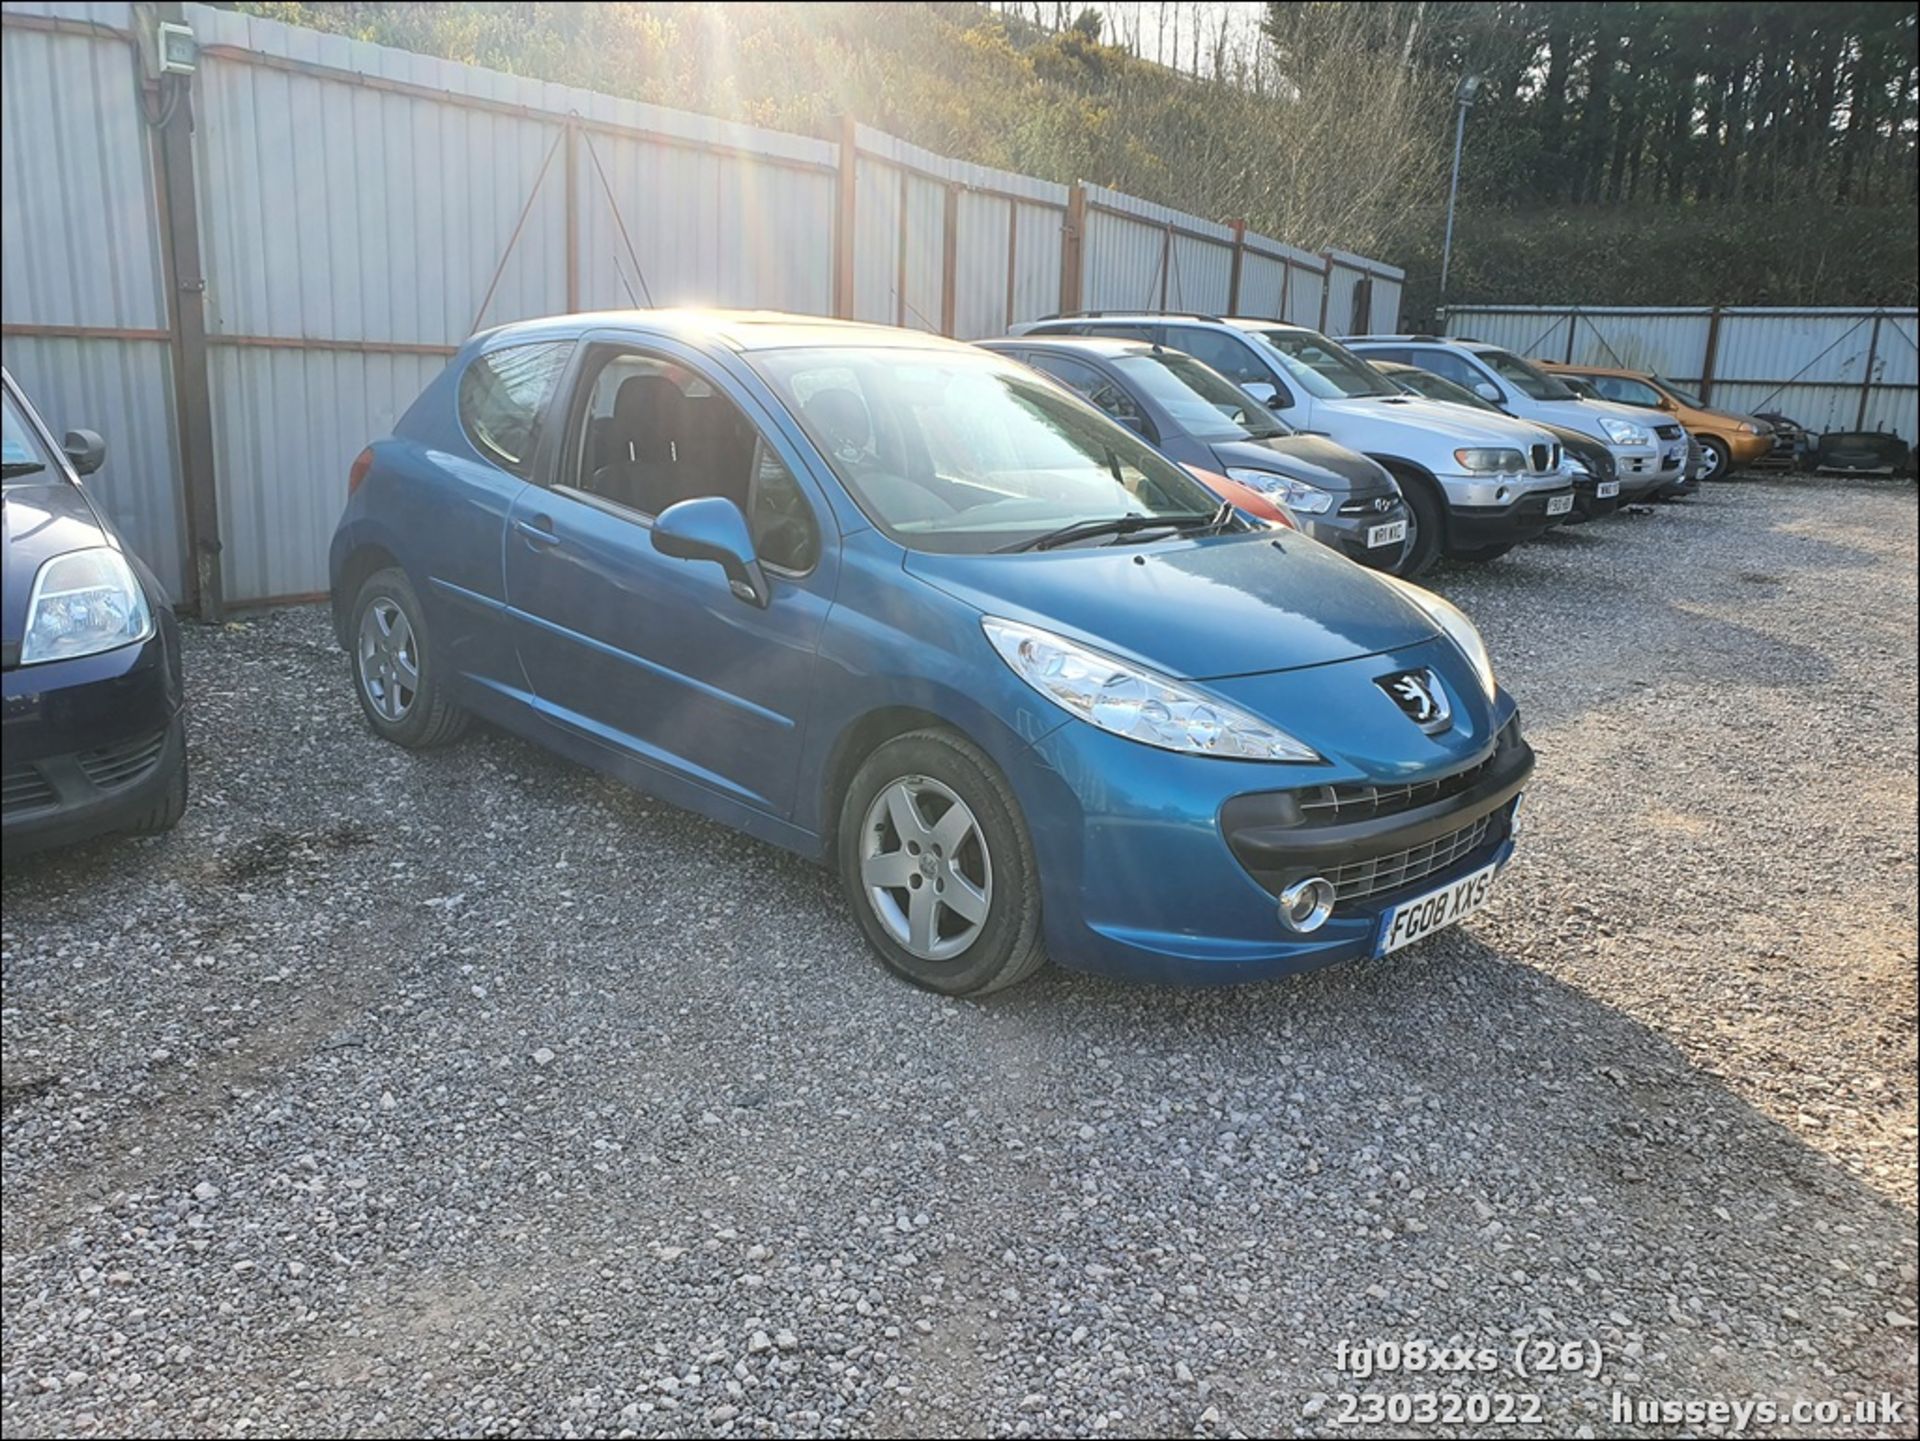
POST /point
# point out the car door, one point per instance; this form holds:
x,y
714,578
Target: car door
x,y
1236,359
649,654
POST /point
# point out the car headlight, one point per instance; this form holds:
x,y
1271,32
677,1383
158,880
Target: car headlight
x,y
83,602
1624,432
1297,494
1751,429
1454,625
1488,458
1134,702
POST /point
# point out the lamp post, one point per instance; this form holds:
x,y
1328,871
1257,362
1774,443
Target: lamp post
x,y
1463,94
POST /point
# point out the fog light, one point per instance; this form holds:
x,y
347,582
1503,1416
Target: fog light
x,y
1503,495
1305,905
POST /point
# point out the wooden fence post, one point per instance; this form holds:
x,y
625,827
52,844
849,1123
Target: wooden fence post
x,y
1072,248
187,320
846,217
1713,352
1233,275
1866,376
950,260
1326,290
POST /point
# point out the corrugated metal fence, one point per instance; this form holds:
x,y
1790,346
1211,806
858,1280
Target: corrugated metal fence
x,y
1830,369
357,211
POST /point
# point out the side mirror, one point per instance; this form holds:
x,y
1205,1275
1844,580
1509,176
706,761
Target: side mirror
x,y
1261,391
1487,390
86,451
711,527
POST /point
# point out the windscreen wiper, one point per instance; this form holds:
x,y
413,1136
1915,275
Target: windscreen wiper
x,y
15,469
1119,525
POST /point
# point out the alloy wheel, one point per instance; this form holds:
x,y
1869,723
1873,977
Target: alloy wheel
x,y
389,661
925,867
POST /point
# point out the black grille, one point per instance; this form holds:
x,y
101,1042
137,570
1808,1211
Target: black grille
x,y
1668,432
122,764
23,788
1542,457
1358,801
1361,879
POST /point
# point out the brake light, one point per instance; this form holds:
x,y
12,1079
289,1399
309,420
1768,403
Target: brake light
x,y
362,463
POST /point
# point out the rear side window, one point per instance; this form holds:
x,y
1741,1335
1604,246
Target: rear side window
x,y
1627,392
1228,354
504,396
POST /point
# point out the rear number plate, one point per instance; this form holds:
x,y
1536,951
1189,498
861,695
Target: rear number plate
x,y
1607,489
1392,531
1435,911
1559,504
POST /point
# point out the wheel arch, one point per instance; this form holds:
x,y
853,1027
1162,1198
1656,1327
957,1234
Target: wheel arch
x,y
366,559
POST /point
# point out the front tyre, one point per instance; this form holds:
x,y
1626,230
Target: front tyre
x,y
1719,458
938,866
1426,530
395,671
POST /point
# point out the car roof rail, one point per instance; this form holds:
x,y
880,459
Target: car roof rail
x,y
1141,314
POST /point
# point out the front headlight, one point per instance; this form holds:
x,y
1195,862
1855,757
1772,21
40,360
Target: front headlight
x,y
1297,494
1624,432
1486,459
1135,702
1456,627
1751,429
84,601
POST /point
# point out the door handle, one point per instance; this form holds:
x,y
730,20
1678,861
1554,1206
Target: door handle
x,y
538,531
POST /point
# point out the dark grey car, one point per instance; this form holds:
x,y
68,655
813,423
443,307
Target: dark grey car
x,y
1198,417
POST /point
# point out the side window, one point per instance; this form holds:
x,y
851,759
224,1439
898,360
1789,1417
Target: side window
x,y
1094,386
1627,392
784,534
1118,332
503,398
1386,352
655,433
1224,353
1449,366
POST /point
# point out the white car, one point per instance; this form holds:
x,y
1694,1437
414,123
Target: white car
x,y
1649,451
1476,484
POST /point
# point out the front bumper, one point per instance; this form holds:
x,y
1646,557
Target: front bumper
x,y
1159,867
1348,534
1587,501
1749,448
1471,527
91,743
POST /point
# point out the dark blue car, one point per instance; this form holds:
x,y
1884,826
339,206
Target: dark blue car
x,y
94,732
907,608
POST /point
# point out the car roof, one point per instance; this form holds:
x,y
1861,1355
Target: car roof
x,y
1462,341
1106,346
1595,369
1170,317
742,330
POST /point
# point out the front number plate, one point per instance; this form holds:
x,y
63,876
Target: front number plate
x,y
1559,504
1435,911
1607,489
1390,533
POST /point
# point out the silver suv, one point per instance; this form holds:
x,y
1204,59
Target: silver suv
x,y
1476,485
1650,452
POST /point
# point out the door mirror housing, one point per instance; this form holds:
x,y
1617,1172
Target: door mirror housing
x,y
86,452
1260,390
1487,390
711,527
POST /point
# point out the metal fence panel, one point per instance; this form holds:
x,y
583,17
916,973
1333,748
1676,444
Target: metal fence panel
x,y
287,425
1037,250
1306,290
1810,362
876,247
80,251
1385,319
981,263
124,390
924,240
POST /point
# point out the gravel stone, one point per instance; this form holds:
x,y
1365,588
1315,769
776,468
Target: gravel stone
x,y
1660,1095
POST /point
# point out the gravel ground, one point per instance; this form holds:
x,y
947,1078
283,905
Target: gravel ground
x,y
462,1093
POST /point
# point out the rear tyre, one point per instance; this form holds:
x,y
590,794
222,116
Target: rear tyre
x,y
1481,553
938,866
395,671
1426,529
1719,458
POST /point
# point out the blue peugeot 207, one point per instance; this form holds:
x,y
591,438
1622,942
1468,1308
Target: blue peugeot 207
x,y
905,607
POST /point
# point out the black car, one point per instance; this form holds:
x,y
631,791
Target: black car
x,y
1198,417
1596,474
94,730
